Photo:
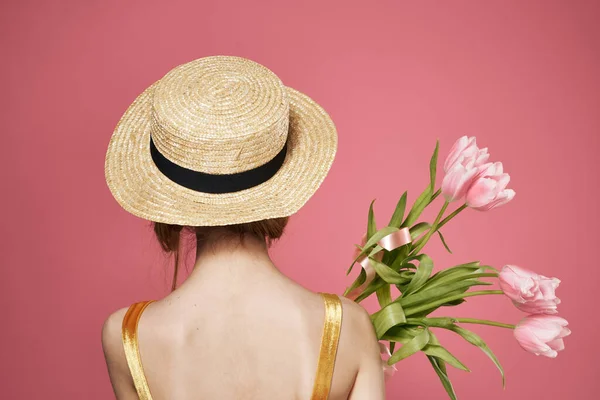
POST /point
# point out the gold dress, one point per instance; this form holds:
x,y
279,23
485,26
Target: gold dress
x,y
328,351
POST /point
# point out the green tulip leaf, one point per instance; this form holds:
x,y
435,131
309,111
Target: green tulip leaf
x,y
371,224
475,340
419,205
400,258
384,295
433,166
457,269
362,277
442,353
421,275
396,256
444,242
434,340
455,302
418,229
425,313
461,277
398,215
403,333
416,301
388,317
411,347
371,288
440,369
431,293
386,273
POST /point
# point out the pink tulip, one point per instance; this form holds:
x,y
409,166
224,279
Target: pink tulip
x,y
542,334
463,166
489,191
388,370
530,292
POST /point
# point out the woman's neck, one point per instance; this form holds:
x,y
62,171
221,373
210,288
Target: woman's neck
x,y
228,265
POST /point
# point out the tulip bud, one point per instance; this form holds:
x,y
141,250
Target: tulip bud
x,y
542,334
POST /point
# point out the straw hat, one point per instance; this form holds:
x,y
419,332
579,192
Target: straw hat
x,y
219,141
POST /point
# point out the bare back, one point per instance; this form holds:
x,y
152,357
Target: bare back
x,y
258,343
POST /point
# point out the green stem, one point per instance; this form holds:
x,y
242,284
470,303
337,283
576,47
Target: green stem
x,y
447,299
484,322
423,241
452,215
435,195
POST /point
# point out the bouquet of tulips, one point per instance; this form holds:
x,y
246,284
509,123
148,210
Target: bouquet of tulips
x,y
394,255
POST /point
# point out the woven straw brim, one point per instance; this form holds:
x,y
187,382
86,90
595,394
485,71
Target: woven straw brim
x,y
141,189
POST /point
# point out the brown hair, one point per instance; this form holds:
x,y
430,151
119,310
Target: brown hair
x,y
169,236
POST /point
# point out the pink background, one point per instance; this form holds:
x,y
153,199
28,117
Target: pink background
x,y
520,75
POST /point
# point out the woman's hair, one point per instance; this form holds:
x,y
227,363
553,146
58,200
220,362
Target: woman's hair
x,y
169,236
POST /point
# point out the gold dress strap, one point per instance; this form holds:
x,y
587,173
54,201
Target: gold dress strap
x,y
329,345
132,351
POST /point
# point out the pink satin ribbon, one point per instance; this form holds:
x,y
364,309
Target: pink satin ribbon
x,y
389,242
395,239
388,370
369,270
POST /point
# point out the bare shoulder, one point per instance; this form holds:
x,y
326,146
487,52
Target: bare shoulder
x,y
111,335
116,363
360,334
358,321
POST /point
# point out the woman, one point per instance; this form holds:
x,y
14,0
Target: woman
x,y
219,148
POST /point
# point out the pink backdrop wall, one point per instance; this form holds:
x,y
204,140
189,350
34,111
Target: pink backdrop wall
x,y
520,75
